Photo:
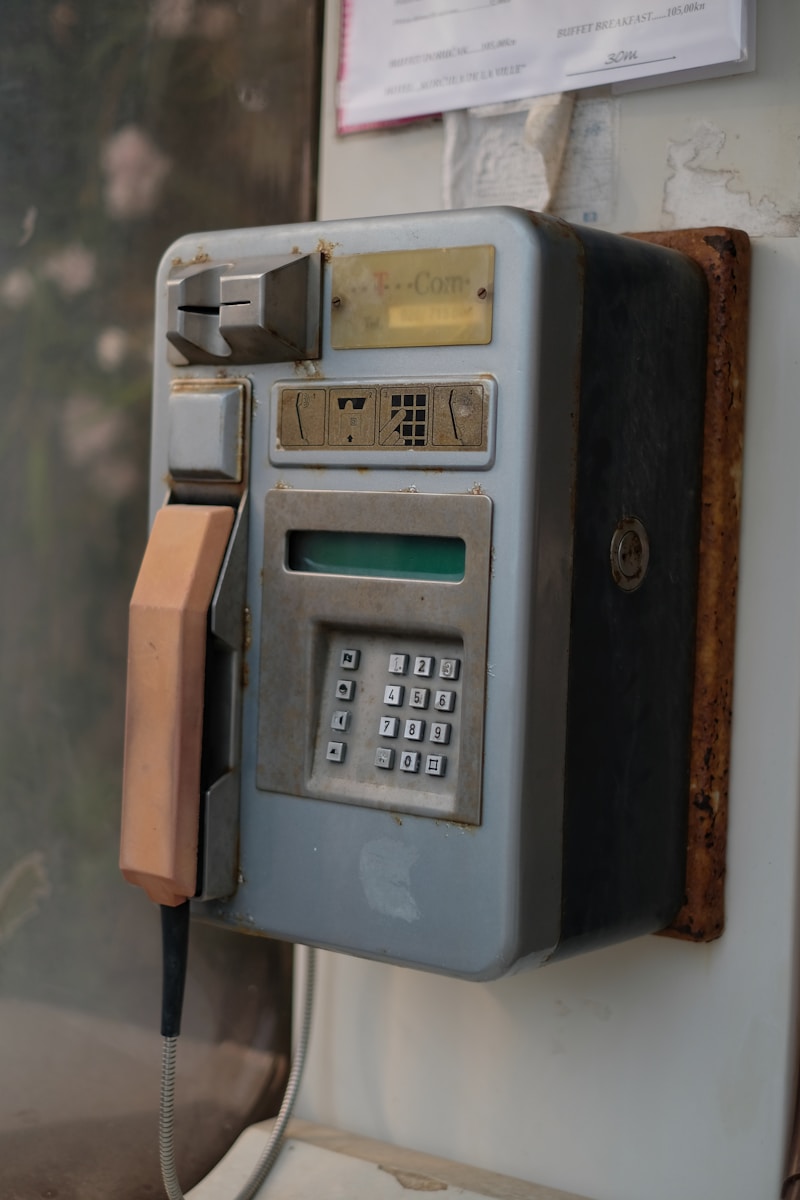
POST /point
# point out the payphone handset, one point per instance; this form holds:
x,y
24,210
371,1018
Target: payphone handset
x,y
449,651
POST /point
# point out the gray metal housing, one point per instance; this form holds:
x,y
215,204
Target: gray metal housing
x,y
476,900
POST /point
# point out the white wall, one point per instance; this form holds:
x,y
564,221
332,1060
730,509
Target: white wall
x,y
655,1069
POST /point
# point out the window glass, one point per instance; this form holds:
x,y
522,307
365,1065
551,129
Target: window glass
x,y
122,126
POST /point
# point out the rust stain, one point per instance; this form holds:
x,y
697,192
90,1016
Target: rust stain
x,y
326,249
462,825
202,256
724,256
413,1182
555,226
307,368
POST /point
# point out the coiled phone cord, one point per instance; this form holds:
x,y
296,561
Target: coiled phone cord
x,y
175,925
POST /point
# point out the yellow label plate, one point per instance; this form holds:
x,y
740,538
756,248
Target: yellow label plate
x,y
413,298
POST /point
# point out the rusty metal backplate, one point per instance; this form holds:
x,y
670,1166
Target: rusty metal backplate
x,y
724,256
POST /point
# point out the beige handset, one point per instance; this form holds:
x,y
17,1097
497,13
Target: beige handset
x,y
164,712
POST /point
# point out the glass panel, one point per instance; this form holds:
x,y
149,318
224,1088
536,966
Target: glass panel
x,y
122,126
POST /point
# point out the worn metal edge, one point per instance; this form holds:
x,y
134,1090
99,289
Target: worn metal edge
x,y
723,254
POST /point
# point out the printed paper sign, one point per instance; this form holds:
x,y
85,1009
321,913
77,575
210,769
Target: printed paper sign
x,y
409,58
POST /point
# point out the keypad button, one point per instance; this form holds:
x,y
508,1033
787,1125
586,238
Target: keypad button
x,y
350,659
389,726
384,758
345,689
445,701
440,733
398,664
419,697
393,694
435,764
424,667
341,720
336,751
450,668
414,731
409,761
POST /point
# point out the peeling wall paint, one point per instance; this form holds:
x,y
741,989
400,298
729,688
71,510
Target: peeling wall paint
x,y
700,192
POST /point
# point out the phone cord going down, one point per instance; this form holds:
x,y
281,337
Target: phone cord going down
x,y
175,942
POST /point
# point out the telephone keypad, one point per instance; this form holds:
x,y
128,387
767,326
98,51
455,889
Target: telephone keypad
x,y
380,709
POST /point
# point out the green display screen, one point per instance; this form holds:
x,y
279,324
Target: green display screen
x,y
385,555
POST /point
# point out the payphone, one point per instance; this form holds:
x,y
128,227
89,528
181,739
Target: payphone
x,y
441,648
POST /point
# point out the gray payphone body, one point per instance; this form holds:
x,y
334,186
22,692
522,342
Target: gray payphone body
x,y
466,452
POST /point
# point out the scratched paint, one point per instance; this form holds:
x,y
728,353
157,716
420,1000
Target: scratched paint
x,y
384,869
